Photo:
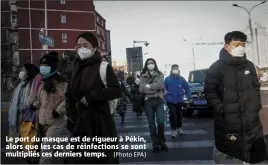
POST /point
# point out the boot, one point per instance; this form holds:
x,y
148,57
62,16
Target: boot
x,y
123,119
161,137
155,147
163,146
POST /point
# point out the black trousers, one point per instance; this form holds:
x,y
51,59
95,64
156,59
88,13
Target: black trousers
x,y
175,115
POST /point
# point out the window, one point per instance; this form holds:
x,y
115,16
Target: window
x,y
98,30
64,37
62,2
14,19
12,2
63,18
98,19
102,24
198,76
103,46
99,43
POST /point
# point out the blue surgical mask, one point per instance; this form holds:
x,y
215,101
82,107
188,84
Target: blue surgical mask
x,y
45,70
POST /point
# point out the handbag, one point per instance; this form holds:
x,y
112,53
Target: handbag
x,y
29,129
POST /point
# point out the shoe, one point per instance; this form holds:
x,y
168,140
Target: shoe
x,y
163,146
155,149
173,134
180,131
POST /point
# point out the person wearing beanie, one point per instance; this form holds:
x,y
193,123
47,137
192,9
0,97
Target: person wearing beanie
x,y
50,96
18,103
176,87
88,100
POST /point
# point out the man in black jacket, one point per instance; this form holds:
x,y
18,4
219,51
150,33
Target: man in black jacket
x,y
232,88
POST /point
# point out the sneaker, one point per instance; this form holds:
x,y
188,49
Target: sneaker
x,y
173,133
180,131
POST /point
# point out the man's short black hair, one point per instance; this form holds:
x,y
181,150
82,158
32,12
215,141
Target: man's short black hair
x,y
235,36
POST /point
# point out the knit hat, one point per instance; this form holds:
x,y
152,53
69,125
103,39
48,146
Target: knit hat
x,y
51,59
90,37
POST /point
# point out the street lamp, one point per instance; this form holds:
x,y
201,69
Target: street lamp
x,y
250,24
192,45
146,43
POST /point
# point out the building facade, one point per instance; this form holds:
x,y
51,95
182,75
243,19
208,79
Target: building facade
x,y
260,56
62,20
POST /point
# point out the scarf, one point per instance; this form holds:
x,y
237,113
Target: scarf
x,y
17,103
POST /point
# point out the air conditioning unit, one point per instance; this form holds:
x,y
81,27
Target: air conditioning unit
x,y
13,8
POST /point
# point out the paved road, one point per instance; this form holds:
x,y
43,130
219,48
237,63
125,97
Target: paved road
x,y
195,146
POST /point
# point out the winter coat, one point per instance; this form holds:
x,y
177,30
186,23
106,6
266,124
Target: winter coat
x,y
176,87
47,102
156,82
94,119
138,101
233,90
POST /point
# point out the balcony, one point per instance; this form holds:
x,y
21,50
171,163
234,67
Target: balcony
x,y
13,8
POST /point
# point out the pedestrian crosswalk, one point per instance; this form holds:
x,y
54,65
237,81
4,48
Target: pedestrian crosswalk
x,y
194,147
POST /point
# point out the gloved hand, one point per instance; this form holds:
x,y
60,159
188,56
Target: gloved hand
x,y
55,114
33,108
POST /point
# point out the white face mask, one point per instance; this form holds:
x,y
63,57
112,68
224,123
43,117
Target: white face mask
x,y
151,67
175,71
22,75
84,53
238,51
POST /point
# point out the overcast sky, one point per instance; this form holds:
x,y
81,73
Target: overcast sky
x,y
164,23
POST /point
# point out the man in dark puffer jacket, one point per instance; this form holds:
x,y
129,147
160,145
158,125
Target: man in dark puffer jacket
x,y
233,90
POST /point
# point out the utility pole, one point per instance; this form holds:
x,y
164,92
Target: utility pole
x,y
251,29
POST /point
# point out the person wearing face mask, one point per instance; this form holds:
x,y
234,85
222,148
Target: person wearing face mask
x,y
152,85
51,93
176,87
232,88
138,102
18,103
88,100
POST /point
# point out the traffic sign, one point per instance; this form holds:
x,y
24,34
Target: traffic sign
x,y
46,40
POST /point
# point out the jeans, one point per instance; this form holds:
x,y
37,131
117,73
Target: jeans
x,y
155,106
175,115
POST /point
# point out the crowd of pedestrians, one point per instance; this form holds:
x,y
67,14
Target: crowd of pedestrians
x,y
83,103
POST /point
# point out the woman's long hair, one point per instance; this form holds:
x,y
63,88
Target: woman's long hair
x,y
145,69
32,70
49,83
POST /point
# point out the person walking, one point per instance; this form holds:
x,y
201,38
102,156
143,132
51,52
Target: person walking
x,y
51,93
18,103
232,88
123,102
152,85
138,102
88,102
176,87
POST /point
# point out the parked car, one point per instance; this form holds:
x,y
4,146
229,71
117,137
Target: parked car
x,y
196,82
